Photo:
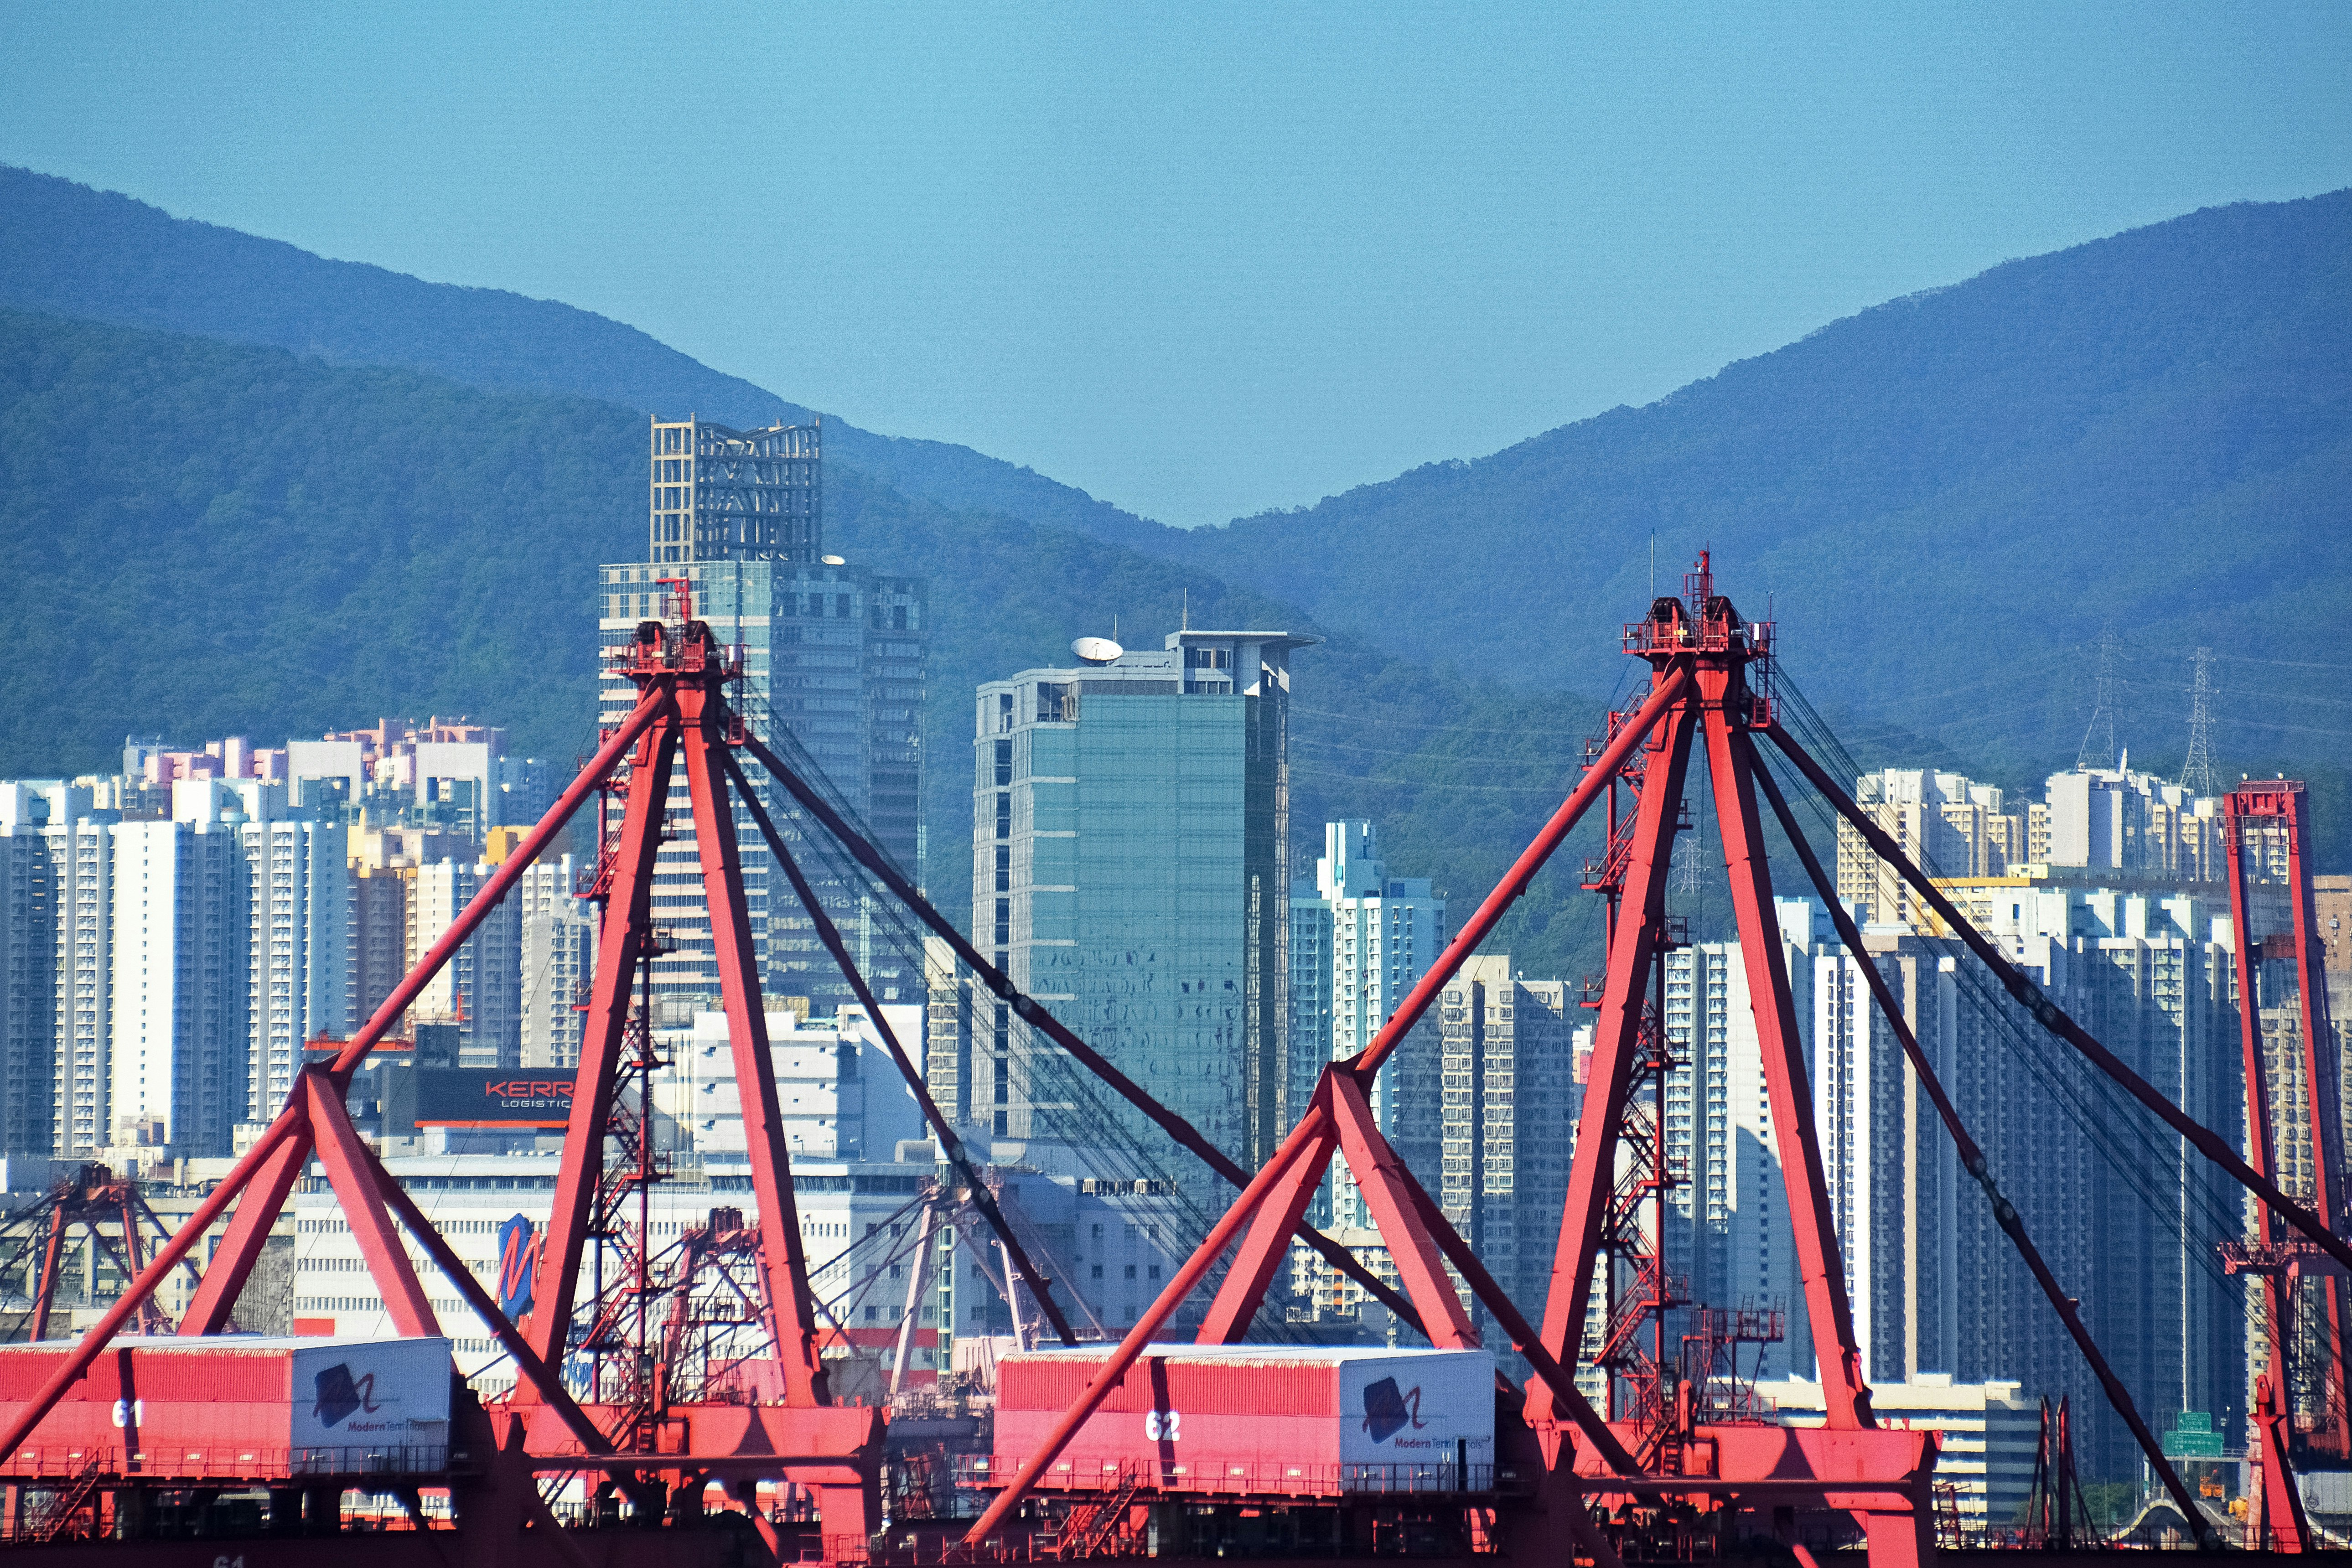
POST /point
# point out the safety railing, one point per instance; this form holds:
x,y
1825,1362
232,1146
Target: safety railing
x,y
1252,1478
241,1461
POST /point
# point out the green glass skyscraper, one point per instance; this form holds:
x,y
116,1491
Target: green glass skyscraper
x,y
1130,869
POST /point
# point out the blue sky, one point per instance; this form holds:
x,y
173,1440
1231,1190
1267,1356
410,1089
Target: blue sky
x,y
1204,259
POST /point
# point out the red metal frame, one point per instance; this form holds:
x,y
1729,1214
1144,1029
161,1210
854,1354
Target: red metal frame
x,y
1034,1013
93,1196
2282,806
1698,658
2282,1525
835,1450
1711,680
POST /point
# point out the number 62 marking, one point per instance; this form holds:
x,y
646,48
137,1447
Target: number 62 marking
x,y
1162,1425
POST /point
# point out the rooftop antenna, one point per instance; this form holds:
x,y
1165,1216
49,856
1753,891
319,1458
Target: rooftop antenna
x,y
1653,564
2197,774
1188,607
2098,748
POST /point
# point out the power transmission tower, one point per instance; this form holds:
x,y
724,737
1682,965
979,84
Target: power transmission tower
x,y
2098,748
2197,774
1689,862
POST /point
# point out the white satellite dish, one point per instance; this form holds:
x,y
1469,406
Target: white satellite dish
x,y
834,559
1097,650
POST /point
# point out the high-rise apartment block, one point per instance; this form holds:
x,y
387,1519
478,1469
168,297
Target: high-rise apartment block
x,y
1728,1235
298,955
1509,1118
1952,825
452,775
953,1001
1360,941
1935,1287
1130,843
2096,827
179,993
29,992
835,658
558,961
480,989
176,964
2116,822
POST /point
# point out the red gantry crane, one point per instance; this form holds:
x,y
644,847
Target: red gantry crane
x,y
1661,1470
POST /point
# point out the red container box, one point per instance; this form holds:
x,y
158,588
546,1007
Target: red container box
x,y
235,1405
1258,1418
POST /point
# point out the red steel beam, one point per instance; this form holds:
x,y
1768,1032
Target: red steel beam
x,y
1632,951
346,1160
1040,1286
86,1351
1524,1337
1195,1267
621,940
2054,1018
1812,1222
2322,1096
52,1259
1595,782
1267,1243
248,1231
1972,1156
1262,1248
782,1255
1028,1009
2262,1147
477,908
2286,1527
1384,1185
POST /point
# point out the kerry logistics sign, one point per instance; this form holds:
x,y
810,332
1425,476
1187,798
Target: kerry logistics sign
x,y
492,1097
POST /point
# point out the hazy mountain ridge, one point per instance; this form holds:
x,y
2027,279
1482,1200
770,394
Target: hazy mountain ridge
x,y
2153,428
2184,385
68,250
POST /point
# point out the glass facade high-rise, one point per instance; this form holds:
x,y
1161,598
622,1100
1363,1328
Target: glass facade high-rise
x,y
835,658
1130,843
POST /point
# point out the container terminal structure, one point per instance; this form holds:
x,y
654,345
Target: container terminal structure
x,y
122,1449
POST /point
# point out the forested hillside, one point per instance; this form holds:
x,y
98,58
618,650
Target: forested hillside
x,y
1944,498
68,250
208,538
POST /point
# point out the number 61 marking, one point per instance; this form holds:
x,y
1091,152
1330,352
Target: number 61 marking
x,y
1162,1425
